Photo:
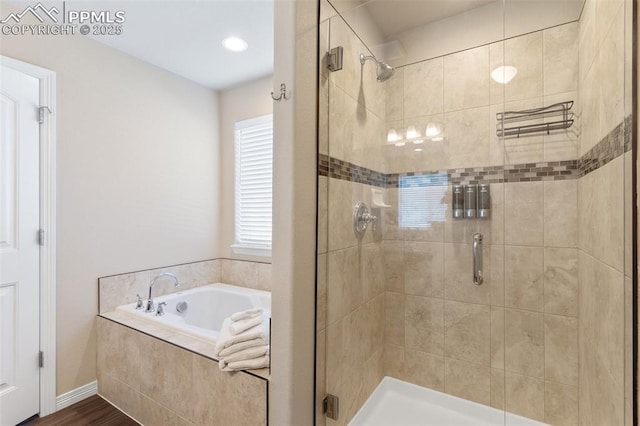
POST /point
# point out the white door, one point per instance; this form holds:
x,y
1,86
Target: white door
x,y
19,249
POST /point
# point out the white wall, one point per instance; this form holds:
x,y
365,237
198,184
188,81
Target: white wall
x,y
239,103
294,214
138,182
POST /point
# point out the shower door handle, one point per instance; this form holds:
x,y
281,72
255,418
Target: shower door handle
x,y
477,259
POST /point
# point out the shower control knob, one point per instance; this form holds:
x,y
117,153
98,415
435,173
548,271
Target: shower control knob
x,y
362,218
368,218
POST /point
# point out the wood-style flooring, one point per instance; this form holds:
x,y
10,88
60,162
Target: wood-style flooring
x,y
91,411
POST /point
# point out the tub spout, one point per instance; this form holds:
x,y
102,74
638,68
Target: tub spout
x,y
176,283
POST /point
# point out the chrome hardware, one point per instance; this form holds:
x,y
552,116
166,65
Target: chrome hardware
x,y
561,110
334,59
283,94
477,259
331,406
362,218
181,307
160,311
176,283
139,303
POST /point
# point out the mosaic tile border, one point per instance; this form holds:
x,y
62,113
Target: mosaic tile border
x,y
615,144
343,170
529,172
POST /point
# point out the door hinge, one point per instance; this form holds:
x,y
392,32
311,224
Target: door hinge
x,y
41,111
41,359
331,406
334,59
41,237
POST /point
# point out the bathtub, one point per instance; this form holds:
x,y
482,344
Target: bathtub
x,y
206,308
398,403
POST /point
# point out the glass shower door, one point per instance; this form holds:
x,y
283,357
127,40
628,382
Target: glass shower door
x,y
399,313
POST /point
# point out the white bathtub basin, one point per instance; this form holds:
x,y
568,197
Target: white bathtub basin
x,y
207,307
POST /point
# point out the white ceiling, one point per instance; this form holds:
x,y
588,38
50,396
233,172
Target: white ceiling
x,y
402,32
393,17
184,37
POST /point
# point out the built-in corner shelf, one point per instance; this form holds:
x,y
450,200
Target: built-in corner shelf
x,y
519,123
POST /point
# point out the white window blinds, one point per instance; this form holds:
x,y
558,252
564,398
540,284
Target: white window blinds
x,y
421,200
253,190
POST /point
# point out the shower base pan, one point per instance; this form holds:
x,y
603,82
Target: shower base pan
x,y
399,403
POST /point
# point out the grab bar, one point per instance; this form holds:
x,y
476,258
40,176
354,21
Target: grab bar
x,y
477,259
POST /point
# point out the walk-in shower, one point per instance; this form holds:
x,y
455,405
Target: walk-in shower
x,y
460,304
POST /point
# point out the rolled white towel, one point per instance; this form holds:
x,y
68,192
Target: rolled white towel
x,y
226,339
237,347
248,364
249,313
237,327
251,353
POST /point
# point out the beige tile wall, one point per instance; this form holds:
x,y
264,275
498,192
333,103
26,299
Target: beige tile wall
x,y
457,91
602,290
519,326
601,70
518,331
117,290
604,349
160,384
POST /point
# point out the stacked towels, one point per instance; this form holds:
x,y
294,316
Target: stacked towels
x,y
243,343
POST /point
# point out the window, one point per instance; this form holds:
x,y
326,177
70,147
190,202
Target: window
x,y
421,200
253,190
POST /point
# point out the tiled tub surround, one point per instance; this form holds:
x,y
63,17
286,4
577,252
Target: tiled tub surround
x,y
511,343
161,376
116,290
161,383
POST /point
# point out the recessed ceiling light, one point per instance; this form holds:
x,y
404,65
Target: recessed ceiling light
x,y
437,139
418,150
235,44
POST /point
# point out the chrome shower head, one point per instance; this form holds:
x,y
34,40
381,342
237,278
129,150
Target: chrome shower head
x,y
384,70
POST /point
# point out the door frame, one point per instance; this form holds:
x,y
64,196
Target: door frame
x,y
47,79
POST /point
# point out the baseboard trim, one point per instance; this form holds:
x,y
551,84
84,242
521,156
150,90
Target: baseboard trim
x,y
76,395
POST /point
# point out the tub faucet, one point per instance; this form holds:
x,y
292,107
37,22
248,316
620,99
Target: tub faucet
x,y
176,283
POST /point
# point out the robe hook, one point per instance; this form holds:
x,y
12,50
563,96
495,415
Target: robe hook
x,y
283,93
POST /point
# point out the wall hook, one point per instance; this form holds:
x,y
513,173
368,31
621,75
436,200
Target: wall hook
x,y
283,93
